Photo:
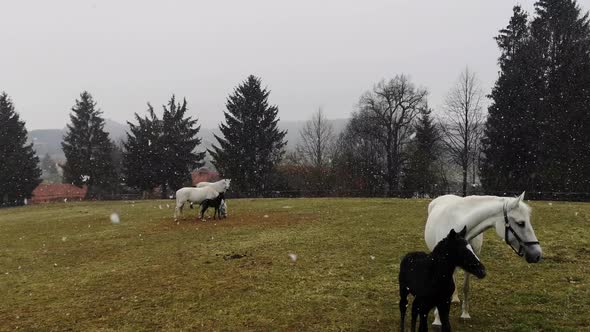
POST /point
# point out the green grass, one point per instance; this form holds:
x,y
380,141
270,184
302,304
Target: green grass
x,y
67,267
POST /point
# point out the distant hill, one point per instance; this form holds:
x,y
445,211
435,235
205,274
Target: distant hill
x,y
49,140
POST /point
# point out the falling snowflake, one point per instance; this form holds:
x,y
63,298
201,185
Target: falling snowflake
x,y
372,257
293,257
63,238
115,218
266,216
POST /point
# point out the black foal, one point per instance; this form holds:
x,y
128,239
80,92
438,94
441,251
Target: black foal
x,y
218,203
429,277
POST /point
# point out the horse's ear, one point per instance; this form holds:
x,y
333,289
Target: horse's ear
x,y
463,232
452,233
513,204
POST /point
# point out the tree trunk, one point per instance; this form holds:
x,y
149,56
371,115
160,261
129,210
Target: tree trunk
x,y
389,174
164,189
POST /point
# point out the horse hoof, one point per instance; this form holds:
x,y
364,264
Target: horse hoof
x,y
465,316
455,300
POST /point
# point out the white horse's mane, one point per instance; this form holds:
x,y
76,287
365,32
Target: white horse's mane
x,y
491,206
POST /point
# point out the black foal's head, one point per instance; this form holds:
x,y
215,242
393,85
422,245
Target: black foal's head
x,y
462,254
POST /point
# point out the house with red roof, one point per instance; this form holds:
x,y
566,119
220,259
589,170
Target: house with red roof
x,y
53,192
204,174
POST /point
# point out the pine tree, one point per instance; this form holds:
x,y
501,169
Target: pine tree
x,y
161,152
142,161
562,35
20,173
509,144
178,143
88,149
252,145
421,171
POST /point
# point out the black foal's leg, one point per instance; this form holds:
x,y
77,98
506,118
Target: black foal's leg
x,y
443,311
403,304
203,210
423,310
415,311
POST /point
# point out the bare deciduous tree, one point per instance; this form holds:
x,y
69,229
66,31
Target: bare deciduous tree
x,y
316,148
317,141
462,122
392,106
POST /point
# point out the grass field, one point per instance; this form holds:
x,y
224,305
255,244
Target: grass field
x,y
65,266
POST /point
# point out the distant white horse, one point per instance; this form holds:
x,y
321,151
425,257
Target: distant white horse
x,y
220,186
194,195
509,216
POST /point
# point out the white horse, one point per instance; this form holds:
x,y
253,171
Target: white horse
x,y
194,195
220,186
509,216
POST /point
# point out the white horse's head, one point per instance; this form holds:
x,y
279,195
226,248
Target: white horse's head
x,y
518,231
226,183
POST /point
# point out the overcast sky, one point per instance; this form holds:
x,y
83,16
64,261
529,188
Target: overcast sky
x,y
310,54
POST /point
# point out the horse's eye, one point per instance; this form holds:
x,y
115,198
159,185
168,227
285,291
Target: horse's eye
x,y
520,223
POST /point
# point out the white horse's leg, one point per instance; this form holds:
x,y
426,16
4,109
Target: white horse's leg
x,y
178,210
455,298
465,303
437,321
476,243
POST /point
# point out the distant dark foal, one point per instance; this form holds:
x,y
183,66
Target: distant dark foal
x,y
429,277
217,203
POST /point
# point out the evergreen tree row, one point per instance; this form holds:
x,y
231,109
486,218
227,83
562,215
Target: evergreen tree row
x,y
159,151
